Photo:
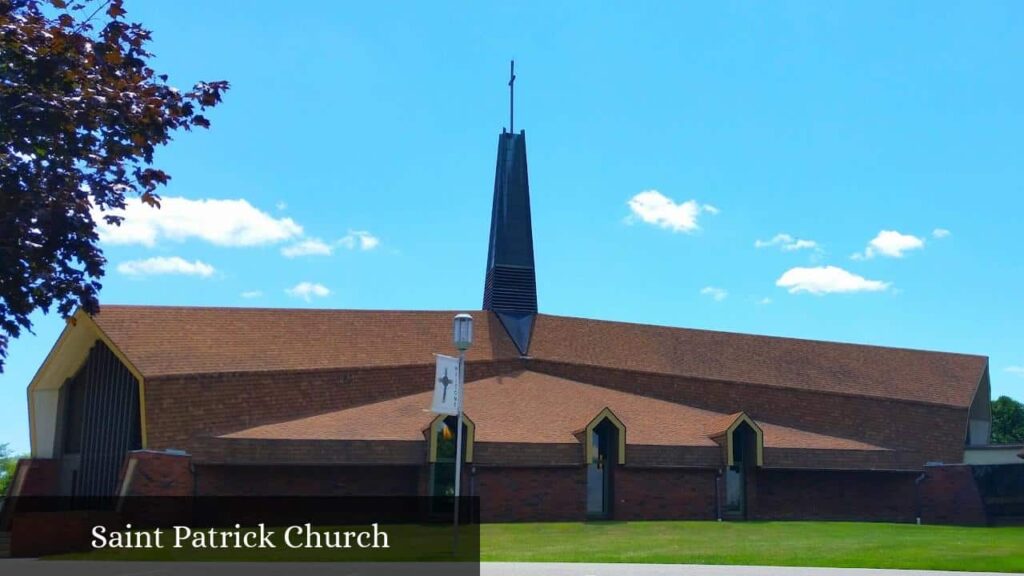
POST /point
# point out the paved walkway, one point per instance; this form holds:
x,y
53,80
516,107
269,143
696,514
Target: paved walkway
x,y
19,567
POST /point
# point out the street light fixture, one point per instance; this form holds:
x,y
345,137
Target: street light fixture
x,y
462,331
462,336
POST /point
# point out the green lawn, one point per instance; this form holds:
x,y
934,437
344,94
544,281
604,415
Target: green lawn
x,y
837,544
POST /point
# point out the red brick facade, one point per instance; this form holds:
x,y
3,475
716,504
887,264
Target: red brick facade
x,y
537,482
180,409
149,473
950,495
938,431
531,494
831,495
663,494
35,477
181,412
558,493
307,480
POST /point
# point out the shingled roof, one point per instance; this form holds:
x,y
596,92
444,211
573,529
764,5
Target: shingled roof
x,y
533,408
169,340
161,340
917,375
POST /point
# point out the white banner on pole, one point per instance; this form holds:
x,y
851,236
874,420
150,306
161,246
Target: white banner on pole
x,y
446,386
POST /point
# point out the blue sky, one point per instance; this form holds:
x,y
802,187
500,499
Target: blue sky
x,y
873,148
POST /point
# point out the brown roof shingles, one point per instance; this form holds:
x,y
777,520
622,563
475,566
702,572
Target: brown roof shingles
x,y
916,375
719,424
166,340
533,408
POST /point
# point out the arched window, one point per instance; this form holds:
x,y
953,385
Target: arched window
x,y
441,437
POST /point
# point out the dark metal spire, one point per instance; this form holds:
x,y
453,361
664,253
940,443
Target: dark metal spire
x,y
510,283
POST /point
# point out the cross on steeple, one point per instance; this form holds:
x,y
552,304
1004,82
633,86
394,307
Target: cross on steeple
x,y
512,97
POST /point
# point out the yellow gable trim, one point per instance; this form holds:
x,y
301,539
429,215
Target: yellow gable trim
x,y
758,442
65,359
605,414
435,427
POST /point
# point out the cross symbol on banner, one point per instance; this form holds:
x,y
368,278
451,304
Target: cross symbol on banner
x,y
445,381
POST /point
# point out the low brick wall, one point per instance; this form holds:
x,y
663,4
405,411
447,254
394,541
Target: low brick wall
x,y
35,477
147,473
42,533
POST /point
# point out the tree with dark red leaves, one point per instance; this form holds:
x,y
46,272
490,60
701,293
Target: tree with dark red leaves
x,y
81,113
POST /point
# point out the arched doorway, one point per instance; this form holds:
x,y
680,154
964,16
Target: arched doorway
x,y
743,458
605,449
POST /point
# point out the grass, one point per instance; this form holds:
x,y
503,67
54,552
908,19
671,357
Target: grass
x,y
835,544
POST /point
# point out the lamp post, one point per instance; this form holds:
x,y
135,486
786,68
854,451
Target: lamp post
x,y
462,336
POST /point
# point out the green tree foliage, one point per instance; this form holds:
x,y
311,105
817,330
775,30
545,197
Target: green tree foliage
x,y
81,113
1007,421
7,464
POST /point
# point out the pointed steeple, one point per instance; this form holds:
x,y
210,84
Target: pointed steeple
x,y
510,284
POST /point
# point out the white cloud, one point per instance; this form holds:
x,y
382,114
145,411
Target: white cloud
x,y
220,222
940,233
1016,370
249,294
359,239
653,207
308,247
827,280
307,290
716,294
281,205
165,265
787,243
766,301
890,243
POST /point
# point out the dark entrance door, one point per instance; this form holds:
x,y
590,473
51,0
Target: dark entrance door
x,y
735,493
744,446
600,470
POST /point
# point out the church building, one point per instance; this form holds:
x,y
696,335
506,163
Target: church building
x,y
565,418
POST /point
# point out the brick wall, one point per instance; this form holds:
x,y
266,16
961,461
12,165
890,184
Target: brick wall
x,y
935,433
181,408
148,473
32,477
950,495
35,477
663,494
246,451
531,494
307,480
831,495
